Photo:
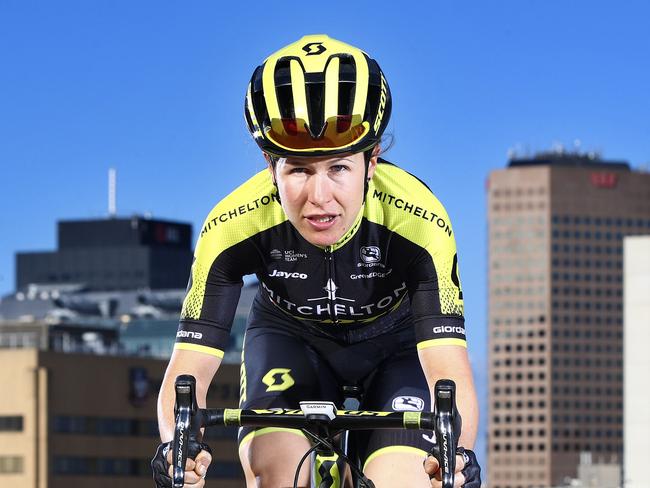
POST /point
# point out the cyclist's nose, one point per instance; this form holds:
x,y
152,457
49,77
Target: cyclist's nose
x,y
319,189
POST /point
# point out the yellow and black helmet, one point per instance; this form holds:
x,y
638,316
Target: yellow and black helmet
x,y
315,97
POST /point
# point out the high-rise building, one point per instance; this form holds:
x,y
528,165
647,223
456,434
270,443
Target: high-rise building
x,y
556,226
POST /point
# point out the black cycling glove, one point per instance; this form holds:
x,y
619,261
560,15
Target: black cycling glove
x,y
160,466
472,470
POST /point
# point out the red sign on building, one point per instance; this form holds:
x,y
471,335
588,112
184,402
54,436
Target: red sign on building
x,y
604,180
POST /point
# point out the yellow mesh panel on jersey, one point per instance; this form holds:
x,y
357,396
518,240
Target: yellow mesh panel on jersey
x,y
250,209
194,299
400,202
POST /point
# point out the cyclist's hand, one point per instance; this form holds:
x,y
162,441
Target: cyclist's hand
x,y
468,471
195,469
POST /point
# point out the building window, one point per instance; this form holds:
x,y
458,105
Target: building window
x,y
11,423
11,464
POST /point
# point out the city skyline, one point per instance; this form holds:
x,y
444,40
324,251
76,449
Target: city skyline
x,y
156,90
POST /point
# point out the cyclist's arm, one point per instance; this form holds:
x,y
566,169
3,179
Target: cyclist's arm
x,y
206,318
437,305
202,367
451,362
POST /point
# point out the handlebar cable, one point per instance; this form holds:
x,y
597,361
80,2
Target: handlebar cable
x,y
319,441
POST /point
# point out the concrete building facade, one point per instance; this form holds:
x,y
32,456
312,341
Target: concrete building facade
x,y
72,420
637,361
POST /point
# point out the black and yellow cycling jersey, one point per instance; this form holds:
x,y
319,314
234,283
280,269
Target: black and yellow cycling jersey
x,y
400,253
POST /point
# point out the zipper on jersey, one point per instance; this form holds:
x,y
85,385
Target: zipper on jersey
x,y
331,290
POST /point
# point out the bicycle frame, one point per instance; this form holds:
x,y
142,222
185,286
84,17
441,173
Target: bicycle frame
x,y
190,419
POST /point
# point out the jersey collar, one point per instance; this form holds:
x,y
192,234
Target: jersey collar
x,y
349,234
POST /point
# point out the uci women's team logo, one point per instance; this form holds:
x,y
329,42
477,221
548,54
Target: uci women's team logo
x,y
370,254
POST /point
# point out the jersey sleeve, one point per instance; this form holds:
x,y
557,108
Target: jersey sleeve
x,y
408,207
224,254
436,298
212,296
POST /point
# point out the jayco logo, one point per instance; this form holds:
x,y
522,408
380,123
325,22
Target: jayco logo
x,y
286,275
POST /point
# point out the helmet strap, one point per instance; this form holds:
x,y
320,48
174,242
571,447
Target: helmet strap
x,y
367,156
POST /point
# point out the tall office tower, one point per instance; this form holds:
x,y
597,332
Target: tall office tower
x,y
556,227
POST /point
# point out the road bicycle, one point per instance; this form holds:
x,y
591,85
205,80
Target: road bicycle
x,y
325,426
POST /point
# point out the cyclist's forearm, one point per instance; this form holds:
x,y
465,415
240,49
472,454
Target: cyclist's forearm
x,y
468,408
451,362
202,367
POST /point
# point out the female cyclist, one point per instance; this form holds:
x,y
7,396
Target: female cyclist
x,y
358,272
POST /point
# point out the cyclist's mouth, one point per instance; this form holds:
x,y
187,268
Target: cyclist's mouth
x,y
321,222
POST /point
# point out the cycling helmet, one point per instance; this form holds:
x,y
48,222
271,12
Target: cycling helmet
x,y
317,96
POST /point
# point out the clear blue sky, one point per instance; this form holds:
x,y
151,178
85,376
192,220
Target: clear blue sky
x,y
155,89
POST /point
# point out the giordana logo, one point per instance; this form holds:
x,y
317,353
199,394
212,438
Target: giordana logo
x,y
191,335
276,254
408,404
286,275
370,254
446,329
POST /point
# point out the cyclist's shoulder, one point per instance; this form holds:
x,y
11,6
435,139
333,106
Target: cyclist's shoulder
x,y
251,207
392,179
397,198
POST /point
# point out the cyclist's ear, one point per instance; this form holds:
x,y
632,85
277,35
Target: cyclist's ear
x,y
270,165
372,162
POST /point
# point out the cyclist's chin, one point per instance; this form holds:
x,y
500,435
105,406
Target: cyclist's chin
x,y
322,238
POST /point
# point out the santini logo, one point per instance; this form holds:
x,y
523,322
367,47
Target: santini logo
x,y
191,335
286,275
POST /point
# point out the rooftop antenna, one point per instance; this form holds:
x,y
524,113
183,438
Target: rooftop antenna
x,y
112,191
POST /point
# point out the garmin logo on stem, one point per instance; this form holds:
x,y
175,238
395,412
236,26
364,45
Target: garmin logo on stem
x,y
286,275
191,335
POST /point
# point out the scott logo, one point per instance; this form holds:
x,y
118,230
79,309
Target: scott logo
x,y
370,254
382,105
286,275
191,335
278,379
314,48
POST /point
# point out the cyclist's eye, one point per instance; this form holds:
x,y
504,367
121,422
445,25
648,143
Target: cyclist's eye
x,y
297,170
338,168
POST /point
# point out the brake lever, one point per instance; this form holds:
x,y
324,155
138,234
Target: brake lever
x,y
446,421
185,411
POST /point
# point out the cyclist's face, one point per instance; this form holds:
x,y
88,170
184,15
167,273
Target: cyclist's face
x,y
322,196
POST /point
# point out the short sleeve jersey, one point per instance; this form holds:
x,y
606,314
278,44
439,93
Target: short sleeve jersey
x,y
400,247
